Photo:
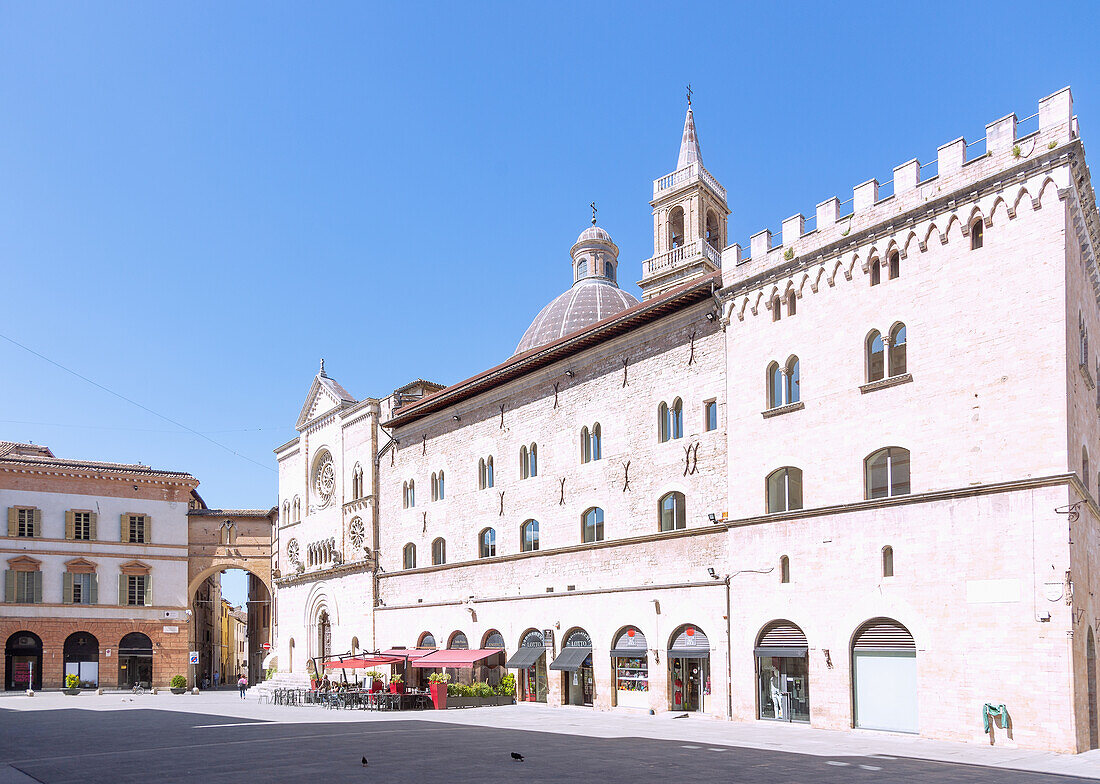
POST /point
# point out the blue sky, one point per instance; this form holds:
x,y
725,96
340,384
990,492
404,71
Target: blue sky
x,y
199,200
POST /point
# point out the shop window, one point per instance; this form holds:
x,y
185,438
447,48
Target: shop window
x,y
782,673
672,512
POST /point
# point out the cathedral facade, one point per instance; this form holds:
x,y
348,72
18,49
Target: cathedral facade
x,y
748,494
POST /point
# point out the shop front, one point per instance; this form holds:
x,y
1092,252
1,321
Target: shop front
x,y
782,673
82,659
575,664
884,677
135,661
23,662
689,669
530,663
630,665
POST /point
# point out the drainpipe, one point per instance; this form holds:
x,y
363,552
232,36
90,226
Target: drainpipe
x,y
729,656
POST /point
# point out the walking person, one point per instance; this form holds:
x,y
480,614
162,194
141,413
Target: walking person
x,y
217,677
242,684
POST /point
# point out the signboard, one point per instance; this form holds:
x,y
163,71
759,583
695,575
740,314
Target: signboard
x,y
266,646
171,630
194,657
107,652
548,638
21,673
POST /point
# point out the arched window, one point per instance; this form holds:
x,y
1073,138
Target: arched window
x,y
487,543
427,640
672,512
435,487
662,422
524,463
405,495
1085,467
412,492
784,569
458,642
793,387
976,232
714,231
894,260
533,456
442,489
876,359
676,418
887,472
775,385
529,536
481,474
582,268
791,307
777,311
595,443
876,272
592,525
408,556
609,271
676,228
887,561
489,471
586,445
439,551
897,350
785,489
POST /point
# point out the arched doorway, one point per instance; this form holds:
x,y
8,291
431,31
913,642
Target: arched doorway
x,y
630,664
492,640
783,673
135,661
23,662
689,668
1090,672
324,636
82,659
530,660
575,664
884,676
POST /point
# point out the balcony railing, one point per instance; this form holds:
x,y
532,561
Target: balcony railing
x,y
689,172
673,258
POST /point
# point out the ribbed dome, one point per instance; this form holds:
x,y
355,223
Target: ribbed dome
x,y
594,233
588,301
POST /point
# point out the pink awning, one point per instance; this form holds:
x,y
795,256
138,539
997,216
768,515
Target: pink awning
x,y
452,658
358,663
410,653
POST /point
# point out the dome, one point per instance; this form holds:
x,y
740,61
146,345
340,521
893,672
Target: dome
x,y
588,301
594,233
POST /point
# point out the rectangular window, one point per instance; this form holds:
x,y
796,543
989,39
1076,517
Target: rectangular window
x,y
135,590
26,523
26,587
710,415
82,525
137,529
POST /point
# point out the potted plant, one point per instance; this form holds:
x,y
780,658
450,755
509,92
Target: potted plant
x,y
178,684
375,678
72,684
437,686
397,685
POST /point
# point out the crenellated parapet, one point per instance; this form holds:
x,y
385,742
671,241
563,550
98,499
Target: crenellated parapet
x,y
931,205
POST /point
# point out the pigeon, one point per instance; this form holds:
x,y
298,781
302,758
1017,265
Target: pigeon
x,y
517,756
364,762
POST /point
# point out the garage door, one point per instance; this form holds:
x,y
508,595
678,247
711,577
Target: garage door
x,y
884,677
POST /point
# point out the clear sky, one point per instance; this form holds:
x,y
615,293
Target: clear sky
x,y
200,200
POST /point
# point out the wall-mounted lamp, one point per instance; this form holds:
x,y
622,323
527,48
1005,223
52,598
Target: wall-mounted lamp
x,y
711,316
712,517
712,573
570,373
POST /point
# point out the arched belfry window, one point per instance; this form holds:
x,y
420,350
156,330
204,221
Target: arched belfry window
x,y
609,271
672,512
714,231
676,228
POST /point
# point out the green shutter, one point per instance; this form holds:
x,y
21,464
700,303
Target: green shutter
x,y
67,585
37,523
36,583
91,533
122,589
148,590
123,529
9,586
93,588
70,524
149,529
13,521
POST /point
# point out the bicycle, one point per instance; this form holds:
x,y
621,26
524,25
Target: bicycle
x,y
138,689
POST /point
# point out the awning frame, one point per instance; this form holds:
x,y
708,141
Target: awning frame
x,y
570,659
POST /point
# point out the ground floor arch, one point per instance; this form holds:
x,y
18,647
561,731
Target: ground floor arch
x,y
574,662
630,668
135,661
23,662
530,661
688,668
81,654
782,673
884,677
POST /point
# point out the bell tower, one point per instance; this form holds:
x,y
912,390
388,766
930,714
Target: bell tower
x,y
689,220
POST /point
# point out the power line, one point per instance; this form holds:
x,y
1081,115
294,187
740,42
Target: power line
x,y
135,403
130,429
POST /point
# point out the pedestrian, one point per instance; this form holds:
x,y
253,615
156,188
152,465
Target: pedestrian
x,y
242,684
217,677
206,682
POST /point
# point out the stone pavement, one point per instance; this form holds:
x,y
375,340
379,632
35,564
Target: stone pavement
x,y
691,731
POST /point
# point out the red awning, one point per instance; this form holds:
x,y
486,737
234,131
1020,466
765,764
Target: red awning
x,y
357,663
452,658
410,653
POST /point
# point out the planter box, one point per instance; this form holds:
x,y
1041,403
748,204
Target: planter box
x,y
397,688
179,690
71,692
478,702
439,695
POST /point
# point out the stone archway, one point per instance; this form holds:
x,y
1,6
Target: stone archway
x,y
220,540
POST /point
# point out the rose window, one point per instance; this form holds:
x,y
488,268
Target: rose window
x,y
358,532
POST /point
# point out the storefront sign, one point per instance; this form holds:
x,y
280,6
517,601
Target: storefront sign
x,y
548,638
171,630
107,652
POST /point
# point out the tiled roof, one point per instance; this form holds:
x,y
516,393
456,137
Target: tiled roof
x,y
231,512
521,364
14,447
88,465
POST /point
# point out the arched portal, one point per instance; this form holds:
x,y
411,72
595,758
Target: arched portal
x,y
783,672
82,659
575,664
23,662
884,676
135,661
530,661
212,628
630,665
689,668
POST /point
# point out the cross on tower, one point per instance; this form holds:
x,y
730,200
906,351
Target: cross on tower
x,y
593,206
689,93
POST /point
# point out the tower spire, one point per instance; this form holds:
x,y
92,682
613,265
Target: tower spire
x,y
689,144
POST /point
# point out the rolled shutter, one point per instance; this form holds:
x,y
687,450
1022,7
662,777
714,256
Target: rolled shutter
x,y
148,590
93,588
149,529
70,524
92,525
37,523
37,583
122,589
13,521
67,585
9,585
